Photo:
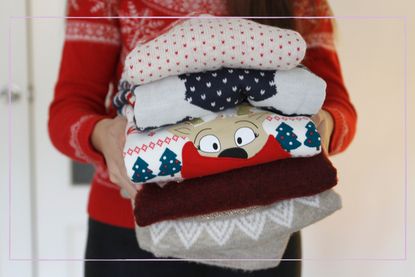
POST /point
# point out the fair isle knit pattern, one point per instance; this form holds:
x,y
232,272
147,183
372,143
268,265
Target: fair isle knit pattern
x,y
237,234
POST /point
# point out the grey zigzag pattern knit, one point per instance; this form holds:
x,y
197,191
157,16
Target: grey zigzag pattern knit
x,y
252,233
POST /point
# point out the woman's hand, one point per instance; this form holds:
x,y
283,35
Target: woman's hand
x,y
108,137
325,125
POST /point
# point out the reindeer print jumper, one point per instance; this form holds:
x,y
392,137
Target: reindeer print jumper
x,y
93,58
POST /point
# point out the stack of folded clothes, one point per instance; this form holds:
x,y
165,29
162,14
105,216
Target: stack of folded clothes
x,y
220,141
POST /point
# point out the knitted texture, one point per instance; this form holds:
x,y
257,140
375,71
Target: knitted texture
x,y
252,233
95,57
291,92
208,43
236,138
262,185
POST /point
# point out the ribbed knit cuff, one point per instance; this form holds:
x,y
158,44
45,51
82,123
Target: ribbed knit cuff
x,y
82,137
340,129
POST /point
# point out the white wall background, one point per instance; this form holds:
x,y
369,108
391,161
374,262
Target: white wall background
x,y
371,172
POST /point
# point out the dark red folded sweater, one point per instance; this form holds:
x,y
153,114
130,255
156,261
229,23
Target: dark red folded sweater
x,y
265,184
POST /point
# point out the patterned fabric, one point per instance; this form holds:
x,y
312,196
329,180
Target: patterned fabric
x,y
208,43
317,32
288,92
82,86
251,233
249,136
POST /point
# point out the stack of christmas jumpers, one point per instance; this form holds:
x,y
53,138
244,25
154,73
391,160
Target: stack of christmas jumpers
x,y
221,144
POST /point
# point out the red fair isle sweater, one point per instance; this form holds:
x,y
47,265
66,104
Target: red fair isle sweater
x,y
92,61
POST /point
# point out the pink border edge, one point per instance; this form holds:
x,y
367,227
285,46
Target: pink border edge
x,y
403,18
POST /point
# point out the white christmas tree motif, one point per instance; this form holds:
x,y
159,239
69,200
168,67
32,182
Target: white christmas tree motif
x,y
138,29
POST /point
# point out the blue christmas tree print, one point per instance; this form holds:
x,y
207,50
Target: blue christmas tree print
x,y
286,137
141,171
312,136
169,164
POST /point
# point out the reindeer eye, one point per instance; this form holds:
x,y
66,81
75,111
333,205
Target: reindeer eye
x,y
209,143
244,135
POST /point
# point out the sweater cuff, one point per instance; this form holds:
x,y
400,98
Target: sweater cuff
x,y
340,130
81,133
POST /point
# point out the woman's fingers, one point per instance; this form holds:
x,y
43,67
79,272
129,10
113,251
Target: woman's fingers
x,y
324,125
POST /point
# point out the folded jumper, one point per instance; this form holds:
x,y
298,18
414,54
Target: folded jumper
x,y
192,95
208,43
252,233
263,185
236,138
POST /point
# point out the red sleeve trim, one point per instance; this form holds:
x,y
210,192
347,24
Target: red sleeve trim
x,y
92,32
81,131
341,129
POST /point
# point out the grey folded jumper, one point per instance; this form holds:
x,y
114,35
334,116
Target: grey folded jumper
x,y
251,233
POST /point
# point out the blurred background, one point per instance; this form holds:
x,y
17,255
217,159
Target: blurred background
x,y
49,192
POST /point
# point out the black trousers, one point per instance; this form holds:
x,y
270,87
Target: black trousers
x,y
110,242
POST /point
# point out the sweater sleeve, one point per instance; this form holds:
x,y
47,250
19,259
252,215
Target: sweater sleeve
x,y
88,64
322,59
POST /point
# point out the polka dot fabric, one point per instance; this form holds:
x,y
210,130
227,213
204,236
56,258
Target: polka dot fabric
x,y
208,43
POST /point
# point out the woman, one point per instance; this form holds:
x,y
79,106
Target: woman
x,y
83,126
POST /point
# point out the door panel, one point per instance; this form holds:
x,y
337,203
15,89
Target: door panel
x,y
18,194
61,205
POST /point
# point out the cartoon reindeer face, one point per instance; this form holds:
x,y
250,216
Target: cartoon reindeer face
x,y
236,137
